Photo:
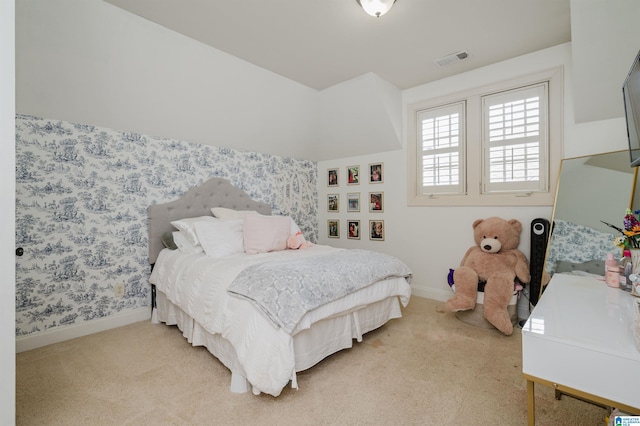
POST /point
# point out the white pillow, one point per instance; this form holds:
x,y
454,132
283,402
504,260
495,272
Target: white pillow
x,y
224,213
221,238
187,227
183,244
266,233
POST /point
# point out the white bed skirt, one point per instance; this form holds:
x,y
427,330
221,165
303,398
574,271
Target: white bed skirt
x,y
311,345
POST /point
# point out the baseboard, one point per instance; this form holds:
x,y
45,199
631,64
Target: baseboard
x,y
56,335
60,334
431,293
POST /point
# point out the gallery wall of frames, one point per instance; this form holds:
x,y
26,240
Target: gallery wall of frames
x,y
363,195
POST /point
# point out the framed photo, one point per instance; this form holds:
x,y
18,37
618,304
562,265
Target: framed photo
x,y
332,177
376,202
353,229
376,173
333,202
353,202
353,175
333,228
376,230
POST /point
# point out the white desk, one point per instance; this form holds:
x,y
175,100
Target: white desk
x,y
579,339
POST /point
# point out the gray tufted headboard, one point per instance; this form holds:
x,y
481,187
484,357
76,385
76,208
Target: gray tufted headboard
x,y
197,201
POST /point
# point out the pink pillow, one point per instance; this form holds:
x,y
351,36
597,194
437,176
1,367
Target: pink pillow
x,y
265,233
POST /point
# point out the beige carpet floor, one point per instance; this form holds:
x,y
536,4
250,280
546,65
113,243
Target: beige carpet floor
x,y
427,368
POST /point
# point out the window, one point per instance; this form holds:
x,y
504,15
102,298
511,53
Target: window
x,y
441,149
497,145
514,140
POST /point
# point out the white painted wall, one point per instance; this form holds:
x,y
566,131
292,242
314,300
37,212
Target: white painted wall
x,y
362,115
433,239
90,62
608,35
7,215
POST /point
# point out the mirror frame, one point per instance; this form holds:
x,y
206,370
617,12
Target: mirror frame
x,y
632,198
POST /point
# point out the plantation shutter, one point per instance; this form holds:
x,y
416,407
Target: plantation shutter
x,y
515,140
441,147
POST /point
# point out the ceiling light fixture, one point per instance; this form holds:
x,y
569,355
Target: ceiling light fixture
x,y
376,8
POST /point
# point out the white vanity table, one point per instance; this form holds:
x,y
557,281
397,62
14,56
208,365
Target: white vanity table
x,y
579,339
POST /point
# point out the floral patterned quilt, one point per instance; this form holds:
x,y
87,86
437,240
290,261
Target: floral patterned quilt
x,y
287,290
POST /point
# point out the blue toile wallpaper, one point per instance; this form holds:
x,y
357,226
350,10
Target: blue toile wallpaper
x,y
81,211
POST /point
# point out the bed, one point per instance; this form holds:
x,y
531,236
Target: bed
x,y
264,340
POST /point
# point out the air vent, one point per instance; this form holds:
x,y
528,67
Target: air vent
x,y
454,57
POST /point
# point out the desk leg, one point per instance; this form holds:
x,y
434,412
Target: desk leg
x,y
531,403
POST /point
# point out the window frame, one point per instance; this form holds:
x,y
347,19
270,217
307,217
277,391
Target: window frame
x,y
473,169
460,150
539,90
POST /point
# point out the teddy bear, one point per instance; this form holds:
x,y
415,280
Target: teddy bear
x,y
496,260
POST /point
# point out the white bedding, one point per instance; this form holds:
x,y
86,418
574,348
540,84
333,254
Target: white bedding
x,y
265,351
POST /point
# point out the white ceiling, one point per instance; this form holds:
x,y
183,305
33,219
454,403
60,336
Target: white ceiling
x,y
320,43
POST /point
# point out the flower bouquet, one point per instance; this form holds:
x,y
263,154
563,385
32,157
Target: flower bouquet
x,y
630,235
629,242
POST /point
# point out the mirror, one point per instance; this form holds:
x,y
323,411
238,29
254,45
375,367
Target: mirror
x,y
591,189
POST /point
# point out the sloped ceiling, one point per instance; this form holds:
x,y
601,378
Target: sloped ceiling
x,y
323,43
358,63
360,116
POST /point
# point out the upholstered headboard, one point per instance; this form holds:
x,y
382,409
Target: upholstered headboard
x,y
197,201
